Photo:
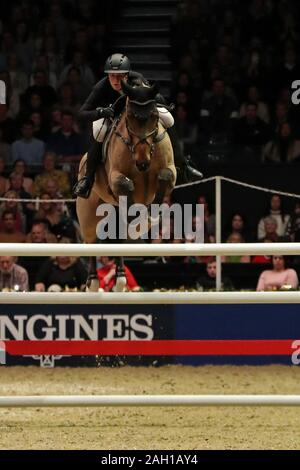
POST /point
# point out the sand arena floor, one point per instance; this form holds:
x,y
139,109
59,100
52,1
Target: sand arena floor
x,y
150,428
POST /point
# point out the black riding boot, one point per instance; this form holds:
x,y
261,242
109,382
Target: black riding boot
x,y
84,186
185,170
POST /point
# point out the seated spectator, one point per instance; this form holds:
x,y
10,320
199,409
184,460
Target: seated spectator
x,y
51,173
5,148
262,259
18,78
78,61
186,129
107,276
281,116
8,232
235,238
39,234
58,222
4,183
15,207
219,112
67,99
12,276
20,167
251,131
63,271
209,219
28,148
293,227
16,184
40,130
276,211
279,277
65,142
284,148
253,96
238,225
270,229
42,88
7,125
207,282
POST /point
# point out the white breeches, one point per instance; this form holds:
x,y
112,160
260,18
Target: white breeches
x,y
101,126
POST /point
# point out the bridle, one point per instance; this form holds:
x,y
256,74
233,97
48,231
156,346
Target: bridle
x,y
142,138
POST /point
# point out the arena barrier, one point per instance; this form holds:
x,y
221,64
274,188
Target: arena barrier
x,y
150,298
148,249
149,400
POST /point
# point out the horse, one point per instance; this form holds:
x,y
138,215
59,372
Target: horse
x,y
139,164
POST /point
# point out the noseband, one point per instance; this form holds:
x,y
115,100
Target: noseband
x,y
142,138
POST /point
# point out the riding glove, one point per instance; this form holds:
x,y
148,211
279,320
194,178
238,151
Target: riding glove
x,y
105,113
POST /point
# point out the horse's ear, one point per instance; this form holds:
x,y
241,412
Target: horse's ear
x,y
153,90
127,89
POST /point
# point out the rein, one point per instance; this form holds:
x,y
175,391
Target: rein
x,y
141,138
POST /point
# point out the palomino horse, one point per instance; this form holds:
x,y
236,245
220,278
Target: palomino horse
x,y
139,164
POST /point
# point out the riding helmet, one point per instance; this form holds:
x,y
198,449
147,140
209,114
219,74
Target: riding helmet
x,y
117,63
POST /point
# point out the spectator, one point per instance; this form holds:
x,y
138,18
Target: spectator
x,y
5,148
270,229
4,183
51,173
18,77
16,208
58,222
284,148
293,227
29,149
39,234
107,276
279,277
186,129
253,96
218,112
238,225
8,232
251,131
7,125
20,168
65,142
235,238
209,219
12,276
42,88
276,212
65,271
208,281
78,61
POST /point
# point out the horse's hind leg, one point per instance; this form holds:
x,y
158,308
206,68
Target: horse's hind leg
x,y
86,211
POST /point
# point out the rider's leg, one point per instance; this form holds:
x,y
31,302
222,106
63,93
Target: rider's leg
x,y
94,157
185,171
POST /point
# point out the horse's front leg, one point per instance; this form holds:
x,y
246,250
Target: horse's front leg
x,y
166,181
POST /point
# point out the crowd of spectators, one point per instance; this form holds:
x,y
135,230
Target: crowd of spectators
x,y
233,80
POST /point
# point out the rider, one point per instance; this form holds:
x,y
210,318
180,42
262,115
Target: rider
x,y
98,106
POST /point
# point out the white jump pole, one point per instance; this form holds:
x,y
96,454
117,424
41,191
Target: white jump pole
x,y
147,249
150,298
150,400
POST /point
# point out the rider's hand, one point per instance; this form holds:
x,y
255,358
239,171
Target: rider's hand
x,y
105,112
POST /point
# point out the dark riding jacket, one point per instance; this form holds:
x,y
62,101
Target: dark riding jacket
x,y
102,96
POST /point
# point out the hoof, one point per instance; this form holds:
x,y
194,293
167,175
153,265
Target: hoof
x,y
92,284
121,283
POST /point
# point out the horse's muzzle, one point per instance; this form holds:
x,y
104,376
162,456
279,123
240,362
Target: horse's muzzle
x,y
142,166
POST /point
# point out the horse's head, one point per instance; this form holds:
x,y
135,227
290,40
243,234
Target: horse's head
x,y
141,122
